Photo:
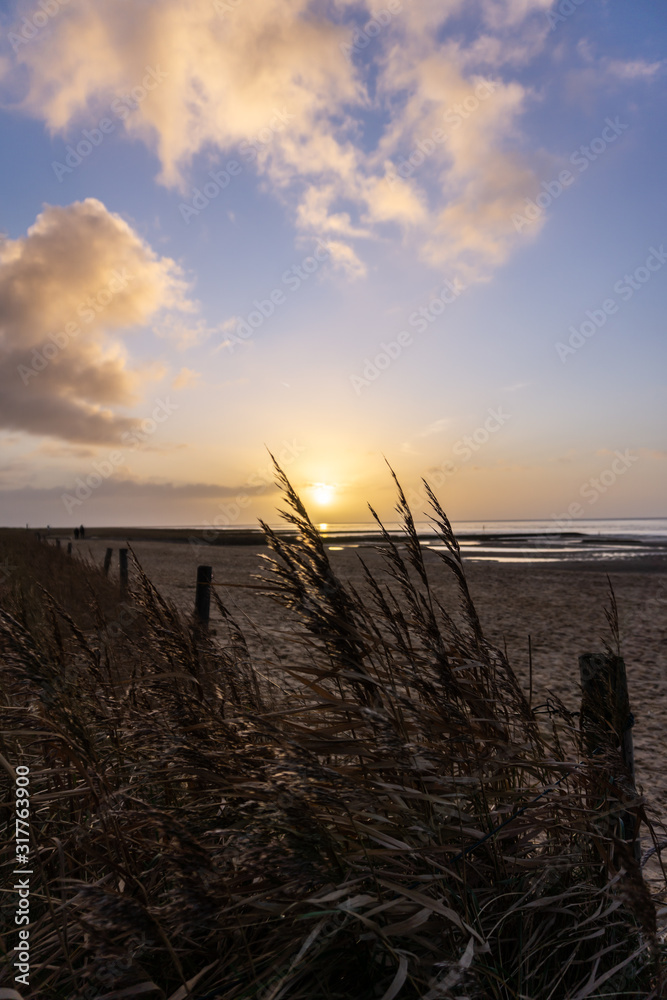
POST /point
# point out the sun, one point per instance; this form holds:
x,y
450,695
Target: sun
x,y
323,493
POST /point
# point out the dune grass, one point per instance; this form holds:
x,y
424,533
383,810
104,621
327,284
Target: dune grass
x,y
380,816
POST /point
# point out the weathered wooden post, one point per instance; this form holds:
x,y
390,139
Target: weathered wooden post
x,y
69,548
122,564
203,595
107,561
57,543
606,721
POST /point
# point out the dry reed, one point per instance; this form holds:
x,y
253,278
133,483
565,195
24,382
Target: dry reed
x,y
398,825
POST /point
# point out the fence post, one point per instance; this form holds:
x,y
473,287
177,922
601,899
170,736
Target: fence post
x,y
57,543
122,564
203,595
606,721
69,548
107,561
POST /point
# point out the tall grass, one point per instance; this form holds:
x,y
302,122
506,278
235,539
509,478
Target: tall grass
x,y
394,822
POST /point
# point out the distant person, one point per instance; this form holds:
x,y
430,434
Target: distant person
x,y
76,534
82,533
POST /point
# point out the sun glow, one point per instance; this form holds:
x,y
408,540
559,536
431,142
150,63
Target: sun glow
x,y
323,493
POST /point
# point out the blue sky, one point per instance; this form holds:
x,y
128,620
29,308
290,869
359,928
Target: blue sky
x,y
161,406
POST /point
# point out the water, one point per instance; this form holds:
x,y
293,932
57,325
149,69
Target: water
x,y
534,541
647,528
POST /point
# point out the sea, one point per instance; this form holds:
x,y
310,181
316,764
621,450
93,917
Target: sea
x,y
534,541
596,540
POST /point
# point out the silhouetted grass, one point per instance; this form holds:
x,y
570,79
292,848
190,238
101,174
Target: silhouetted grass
x,y
396,823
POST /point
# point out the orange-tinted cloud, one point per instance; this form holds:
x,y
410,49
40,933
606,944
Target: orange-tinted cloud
x,y
185,379
79,278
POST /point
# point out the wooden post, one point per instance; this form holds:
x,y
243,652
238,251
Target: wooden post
x,y
203,595
57,543
606,721
69,548
107,561
122,563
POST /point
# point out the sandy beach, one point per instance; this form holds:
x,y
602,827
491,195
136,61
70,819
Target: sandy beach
x,y
560,605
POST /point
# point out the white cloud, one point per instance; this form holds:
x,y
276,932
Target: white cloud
x,y
508,13
345,259
636,69
274,73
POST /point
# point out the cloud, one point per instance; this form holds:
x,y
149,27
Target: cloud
x,y
395,199
599,73
185,379
13,471
508,13
185,332
222,79
460,140
69,288
130,488
636,69
273,81
134,488
345,259
437,427
117,500
60,450
617,69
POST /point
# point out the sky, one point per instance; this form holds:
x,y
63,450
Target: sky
x,y
431,233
